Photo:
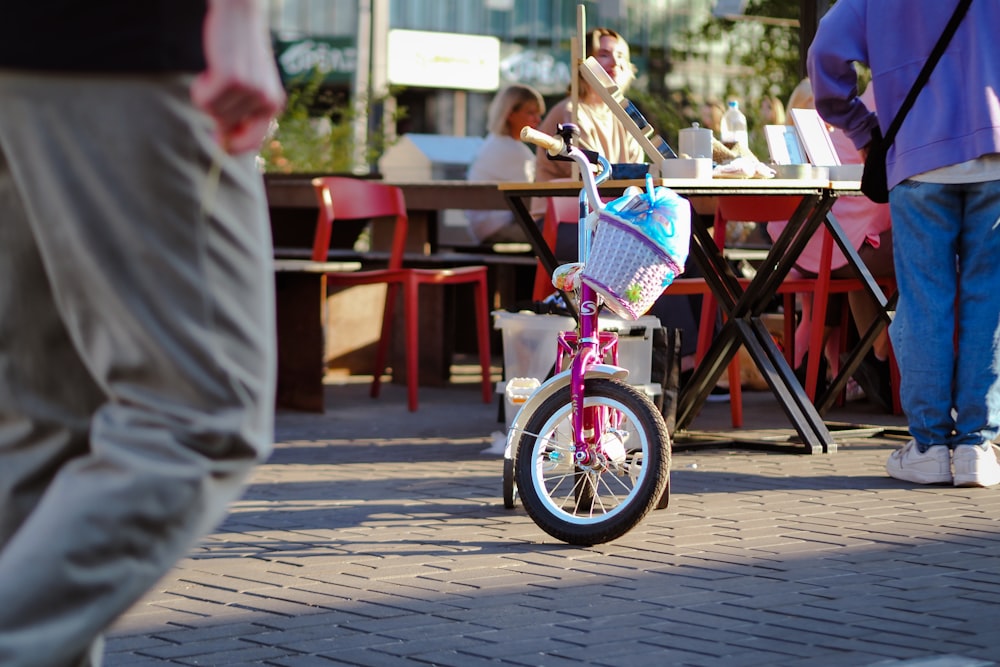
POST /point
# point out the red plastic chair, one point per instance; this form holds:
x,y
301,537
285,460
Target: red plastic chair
x,y
558,211
344,198
752,208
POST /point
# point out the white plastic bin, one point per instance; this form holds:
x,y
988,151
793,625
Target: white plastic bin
x,y
529,342
635,345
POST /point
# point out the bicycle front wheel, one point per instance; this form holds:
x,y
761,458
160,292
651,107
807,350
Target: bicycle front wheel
x,y
601,501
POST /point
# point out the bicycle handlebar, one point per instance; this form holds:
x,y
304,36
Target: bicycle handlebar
x,y
557,147
552,145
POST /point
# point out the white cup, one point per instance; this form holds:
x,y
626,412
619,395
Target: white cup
x,y
695,141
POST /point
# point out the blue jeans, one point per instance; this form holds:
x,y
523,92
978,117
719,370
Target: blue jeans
x,y
946,332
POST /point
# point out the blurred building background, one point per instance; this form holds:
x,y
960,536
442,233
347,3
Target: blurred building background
x,y
442,60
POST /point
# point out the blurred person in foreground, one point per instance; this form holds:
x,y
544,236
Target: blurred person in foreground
x,y
944,181
504,157
137,353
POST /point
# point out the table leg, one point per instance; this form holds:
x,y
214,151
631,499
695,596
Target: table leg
x,y
300,340
744,325
857,355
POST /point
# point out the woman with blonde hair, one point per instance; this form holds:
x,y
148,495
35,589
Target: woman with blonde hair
x,y
600,129
504,157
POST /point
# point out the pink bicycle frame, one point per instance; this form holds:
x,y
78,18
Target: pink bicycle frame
x,y
587,345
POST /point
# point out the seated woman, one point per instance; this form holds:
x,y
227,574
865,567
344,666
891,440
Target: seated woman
x,y
600,129
869,228
504,157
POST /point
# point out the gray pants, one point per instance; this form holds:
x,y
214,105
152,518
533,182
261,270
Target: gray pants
x,y
137,348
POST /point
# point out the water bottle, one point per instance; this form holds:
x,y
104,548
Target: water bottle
x,y
733,128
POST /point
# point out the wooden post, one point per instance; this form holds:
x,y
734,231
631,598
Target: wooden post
x,y
578,51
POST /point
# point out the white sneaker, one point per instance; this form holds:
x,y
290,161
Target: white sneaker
x,y
975,466
911,465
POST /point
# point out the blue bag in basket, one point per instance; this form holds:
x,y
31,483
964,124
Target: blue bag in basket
x,y
640,245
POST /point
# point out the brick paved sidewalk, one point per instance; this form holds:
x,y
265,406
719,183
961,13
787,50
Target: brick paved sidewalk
x,y
375,537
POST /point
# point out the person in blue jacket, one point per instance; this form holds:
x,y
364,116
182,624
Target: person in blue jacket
x,y
944,179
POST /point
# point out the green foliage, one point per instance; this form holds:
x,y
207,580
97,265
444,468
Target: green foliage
x,y
306,142
763,56
766,51
315,133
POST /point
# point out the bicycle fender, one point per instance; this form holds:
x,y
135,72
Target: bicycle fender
x,y
549,387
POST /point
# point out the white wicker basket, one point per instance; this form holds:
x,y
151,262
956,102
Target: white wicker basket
x,y
627,268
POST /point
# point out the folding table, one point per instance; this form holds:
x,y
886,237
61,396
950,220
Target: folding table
x,y
743,308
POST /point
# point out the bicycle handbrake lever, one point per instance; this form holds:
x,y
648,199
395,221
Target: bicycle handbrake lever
x,y
569,132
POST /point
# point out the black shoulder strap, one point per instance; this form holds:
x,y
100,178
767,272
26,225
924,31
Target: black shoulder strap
x,y
925,73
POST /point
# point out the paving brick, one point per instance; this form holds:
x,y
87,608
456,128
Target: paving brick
x,y
504,651
190,649
303,661
359,658
421,627
376,537
337,640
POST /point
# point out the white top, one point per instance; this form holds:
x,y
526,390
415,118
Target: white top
x,y
500,159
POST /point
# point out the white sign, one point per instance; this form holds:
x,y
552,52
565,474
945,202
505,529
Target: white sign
x,y
443,60
815,137
783,144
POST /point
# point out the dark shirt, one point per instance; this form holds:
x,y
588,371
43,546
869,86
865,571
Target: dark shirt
x,y
103,35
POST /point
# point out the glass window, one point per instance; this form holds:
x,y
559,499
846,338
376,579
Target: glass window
x,y
314,17
461,16
500,22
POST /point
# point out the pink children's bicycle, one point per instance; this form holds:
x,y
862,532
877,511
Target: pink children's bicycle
x,y
588,454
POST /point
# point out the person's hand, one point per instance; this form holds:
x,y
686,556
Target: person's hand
x,y
240,87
